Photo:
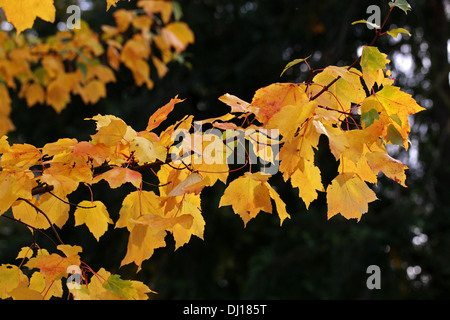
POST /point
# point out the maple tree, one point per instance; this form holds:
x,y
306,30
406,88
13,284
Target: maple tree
x,y
358,110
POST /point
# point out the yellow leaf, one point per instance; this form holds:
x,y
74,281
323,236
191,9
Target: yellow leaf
x,y
290,117
179,189
11,277
69,250
179,35
22,13
24,293
25,252
269,100
13,186
279,203
92,92
110,3
136,204
392,168
249,194
20,156
308,180
349,195
5,110
110,134
147,151
157,6
66,178
337,138
34,94
27,214
56,210
95,215
189,207
142,243
236,104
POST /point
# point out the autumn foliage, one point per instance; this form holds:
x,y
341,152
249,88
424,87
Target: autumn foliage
x,y
357,108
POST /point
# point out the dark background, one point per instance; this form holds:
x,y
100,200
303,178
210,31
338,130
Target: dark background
x,y
241,46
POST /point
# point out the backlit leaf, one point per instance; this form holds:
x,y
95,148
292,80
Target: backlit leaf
x,y
349,195
22,13
95,215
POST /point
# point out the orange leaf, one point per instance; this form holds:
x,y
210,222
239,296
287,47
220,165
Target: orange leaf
x,y
118,176
161,114
52,266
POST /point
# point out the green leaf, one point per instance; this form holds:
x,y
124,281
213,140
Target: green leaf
x,y
401,4
393,136
369,117
394,32
374,25
293,63
123,288
372,61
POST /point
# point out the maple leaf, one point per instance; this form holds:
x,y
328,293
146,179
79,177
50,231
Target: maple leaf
x,y
161,114
343,92
5,110
95,215
110,130
372,63
107,286
189,208
111,3
146,150
142,243
20,157
53,266
307,179
290,117
69,250
392,168
151,7
11,277
136,204
249,194
134,55
27,214
118,176
22,13
179,35
25,252
269,100
65,178
236,104
56,210
12,186
348,195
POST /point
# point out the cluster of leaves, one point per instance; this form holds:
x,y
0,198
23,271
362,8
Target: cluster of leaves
x,y
36,182
81,62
